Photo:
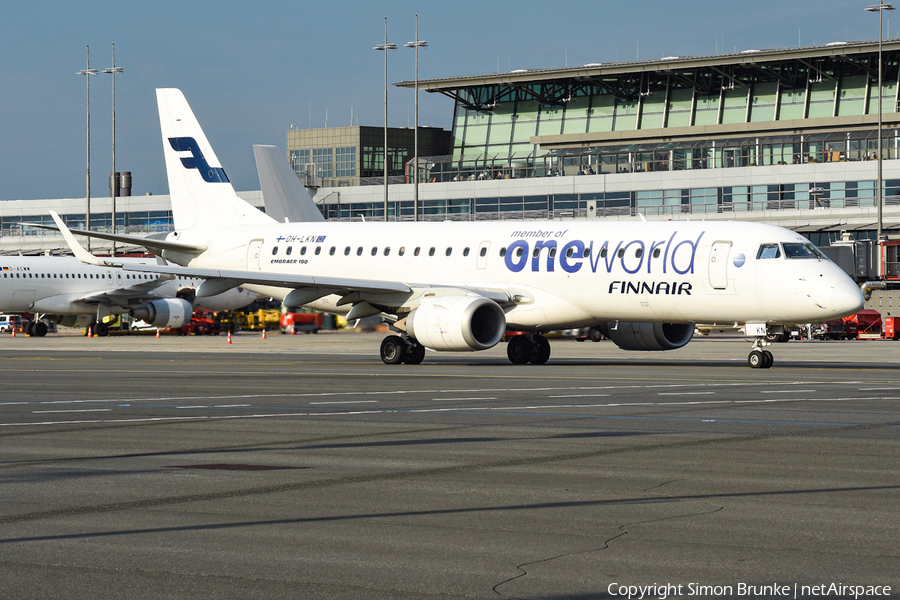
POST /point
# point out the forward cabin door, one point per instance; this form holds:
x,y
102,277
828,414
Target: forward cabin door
x,y
253,252
718,265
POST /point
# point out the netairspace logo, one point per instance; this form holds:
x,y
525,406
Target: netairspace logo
x,y
774,590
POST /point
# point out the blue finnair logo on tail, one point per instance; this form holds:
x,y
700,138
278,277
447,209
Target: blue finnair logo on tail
x,y
196,160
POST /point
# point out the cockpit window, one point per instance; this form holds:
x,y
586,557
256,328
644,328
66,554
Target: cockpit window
x,y
768,251
800,250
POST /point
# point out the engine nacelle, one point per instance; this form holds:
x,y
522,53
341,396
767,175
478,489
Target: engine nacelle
x,y
457,323
168,312
648,336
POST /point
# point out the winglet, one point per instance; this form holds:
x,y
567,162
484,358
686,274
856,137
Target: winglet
x,y
80,253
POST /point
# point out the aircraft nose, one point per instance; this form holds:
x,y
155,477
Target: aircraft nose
x,y
847,299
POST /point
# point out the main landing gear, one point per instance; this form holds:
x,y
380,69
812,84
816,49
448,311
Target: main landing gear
x,y
397,349
760,358
528,348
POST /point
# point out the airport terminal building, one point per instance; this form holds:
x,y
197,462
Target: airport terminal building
x,y
787,136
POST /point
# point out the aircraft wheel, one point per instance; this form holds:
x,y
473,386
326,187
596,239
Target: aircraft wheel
x,y
769,359
392,350
519,350
39,329
414,355
756,360
540,353
102,329
28,328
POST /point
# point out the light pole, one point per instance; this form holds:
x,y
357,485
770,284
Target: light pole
x,y
114,70
879,8
384,48
87,209
416,44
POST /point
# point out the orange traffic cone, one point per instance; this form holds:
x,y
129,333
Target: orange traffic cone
x,y
229,338
264,334
157,333
14,331
89,332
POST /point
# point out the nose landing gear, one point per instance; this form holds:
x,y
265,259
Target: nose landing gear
x,y
760,358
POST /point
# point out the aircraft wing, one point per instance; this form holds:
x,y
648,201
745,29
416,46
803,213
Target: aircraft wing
x,y
282,280
153,244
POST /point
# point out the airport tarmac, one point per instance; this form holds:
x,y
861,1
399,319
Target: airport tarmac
x,y
303,467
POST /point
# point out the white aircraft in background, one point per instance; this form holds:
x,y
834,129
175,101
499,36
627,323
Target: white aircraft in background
x,y
460,286
65,291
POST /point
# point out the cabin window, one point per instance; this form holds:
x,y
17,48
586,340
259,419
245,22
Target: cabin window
x,y
621,253
465,252
289,250
519,252
570,252
347,251
374,250
401,251
359,251
303,251
552,252
274,250
800,250
656,253
431,251
318,249
639,253
416,251
387,250
449,251
502,252
536,252
768,251
603,252
331,252
483,252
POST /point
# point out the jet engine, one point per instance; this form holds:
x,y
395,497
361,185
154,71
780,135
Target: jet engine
x,y
168,312
457,323
648,336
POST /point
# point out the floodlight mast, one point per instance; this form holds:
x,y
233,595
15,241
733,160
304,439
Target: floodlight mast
x,y
416,44
114,191
384,48
879,8
87,210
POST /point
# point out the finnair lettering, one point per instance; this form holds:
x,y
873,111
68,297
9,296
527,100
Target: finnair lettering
x,y
197,161
671,288
634,256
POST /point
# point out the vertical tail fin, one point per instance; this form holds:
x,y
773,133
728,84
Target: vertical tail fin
x,y
200,190
285,197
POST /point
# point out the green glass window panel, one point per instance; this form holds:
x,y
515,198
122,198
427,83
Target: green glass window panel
x,y
679,119
680,100
578,107
736,98
527,111
762,112
600,124
734,115
854,87
574,125
626,116
820,109
707,111
791,111
764,94
888,93
550,124
476,135
604,106
500,133
652,121
523,130
821,92
520,150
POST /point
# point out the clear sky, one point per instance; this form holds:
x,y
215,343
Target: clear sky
x,y
250,70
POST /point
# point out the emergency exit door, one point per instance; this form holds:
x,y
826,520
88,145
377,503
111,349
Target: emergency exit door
x,y
253,251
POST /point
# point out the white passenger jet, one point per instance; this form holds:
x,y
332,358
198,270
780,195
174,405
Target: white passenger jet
x,y
65,291
460,286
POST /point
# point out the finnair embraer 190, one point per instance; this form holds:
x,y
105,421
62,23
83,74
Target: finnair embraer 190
x,y
460,286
